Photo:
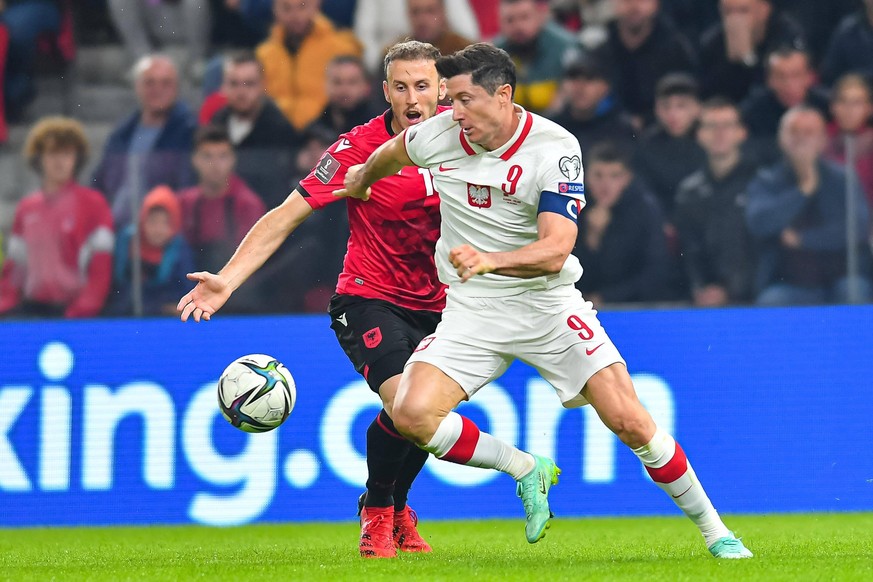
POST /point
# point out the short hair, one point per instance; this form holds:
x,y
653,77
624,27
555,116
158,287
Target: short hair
x,y
489,67
409,50
609,152
677,84
56,133
852,80
211,133
786,50
242,57
350,60
144,63
719,102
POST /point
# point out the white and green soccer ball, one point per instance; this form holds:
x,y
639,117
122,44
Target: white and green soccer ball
x,y
256,393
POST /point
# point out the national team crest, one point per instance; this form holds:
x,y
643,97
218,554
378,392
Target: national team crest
x,y
479,196
373,337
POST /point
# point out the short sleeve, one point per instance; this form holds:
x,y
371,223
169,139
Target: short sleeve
x,y
433,141
328,174
562,171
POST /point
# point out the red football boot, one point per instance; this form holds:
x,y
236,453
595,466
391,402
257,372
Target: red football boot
x,y
406,536
376,532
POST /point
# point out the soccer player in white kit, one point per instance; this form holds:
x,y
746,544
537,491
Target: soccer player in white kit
x,y
510,185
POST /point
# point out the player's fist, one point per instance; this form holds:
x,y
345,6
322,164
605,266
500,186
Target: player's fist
x,y
207,297
469,262
353,184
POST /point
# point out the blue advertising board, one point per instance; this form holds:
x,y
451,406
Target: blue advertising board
x,y
116,422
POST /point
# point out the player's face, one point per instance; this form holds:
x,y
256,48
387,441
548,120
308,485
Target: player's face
x,y
606,181
852,107
720,132
677,113
347,85
243,88
214,163
482,117
413,89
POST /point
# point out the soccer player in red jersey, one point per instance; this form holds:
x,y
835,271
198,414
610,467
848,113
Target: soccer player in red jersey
x,y
388,296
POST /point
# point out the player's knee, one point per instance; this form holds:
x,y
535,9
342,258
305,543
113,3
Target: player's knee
x,y
413,422
634,430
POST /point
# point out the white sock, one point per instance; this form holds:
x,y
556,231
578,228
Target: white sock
x,y
459,440
670,470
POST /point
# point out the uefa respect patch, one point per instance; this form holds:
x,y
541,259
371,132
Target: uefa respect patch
x,y
571,188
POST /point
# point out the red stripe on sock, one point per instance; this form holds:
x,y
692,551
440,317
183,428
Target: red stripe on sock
x,y
675,468
462,450
393,433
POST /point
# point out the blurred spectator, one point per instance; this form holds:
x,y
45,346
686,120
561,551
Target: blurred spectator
x,y
590,111
710,212
692,17
621,236
150,147
733,51
295,56
165,258
378,23
852,110
60,251
219,211
818,20
797,213
587,18
850,47
429,23
538,47
25,21
487,14
641,47
790,82
349,101
4,53
242,23
264,141
302,273
168,21
340,12
668,152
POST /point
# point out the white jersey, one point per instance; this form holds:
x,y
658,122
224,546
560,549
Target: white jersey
x,y
490,199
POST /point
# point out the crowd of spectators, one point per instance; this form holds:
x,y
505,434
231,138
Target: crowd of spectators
x,y
727,144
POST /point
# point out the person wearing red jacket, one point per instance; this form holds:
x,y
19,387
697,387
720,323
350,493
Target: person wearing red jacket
x,y
59,259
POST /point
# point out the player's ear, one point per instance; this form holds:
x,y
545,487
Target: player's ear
x,y
505,93
442,88
385,91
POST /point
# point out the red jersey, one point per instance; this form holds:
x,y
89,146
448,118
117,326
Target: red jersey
x,y
390,253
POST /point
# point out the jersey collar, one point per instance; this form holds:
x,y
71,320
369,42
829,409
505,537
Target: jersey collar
x,y
507,150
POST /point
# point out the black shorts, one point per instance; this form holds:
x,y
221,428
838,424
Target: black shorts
x,y
378,336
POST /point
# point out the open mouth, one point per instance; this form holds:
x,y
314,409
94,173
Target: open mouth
x,y
413,117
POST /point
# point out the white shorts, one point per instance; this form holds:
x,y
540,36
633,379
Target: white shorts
x,y
556,332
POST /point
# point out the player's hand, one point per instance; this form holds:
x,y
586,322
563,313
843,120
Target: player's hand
x,y
353,184
207,297
470,262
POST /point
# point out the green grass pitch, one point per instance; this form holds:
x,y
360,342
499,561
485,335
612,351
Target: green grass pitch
x,y
787,547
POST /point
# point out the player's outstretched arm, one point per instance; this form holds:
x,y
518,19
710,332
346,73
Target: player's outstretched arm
x,y
387,160
268,233
545,256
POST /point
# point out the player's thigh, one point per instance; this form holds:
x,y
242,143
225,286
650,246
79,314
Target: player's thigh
x,y
469,345
377,336
570,345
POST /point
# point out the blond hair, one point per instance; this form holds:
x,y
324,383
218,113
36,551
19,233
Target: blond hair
x,y
56,133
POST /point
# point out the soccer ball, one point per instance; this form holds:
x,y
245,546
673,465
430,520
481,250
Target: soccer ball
x,y
256,393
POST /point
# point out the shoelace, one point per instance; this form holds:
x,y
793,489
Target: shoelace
x,y
372,523
527,500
